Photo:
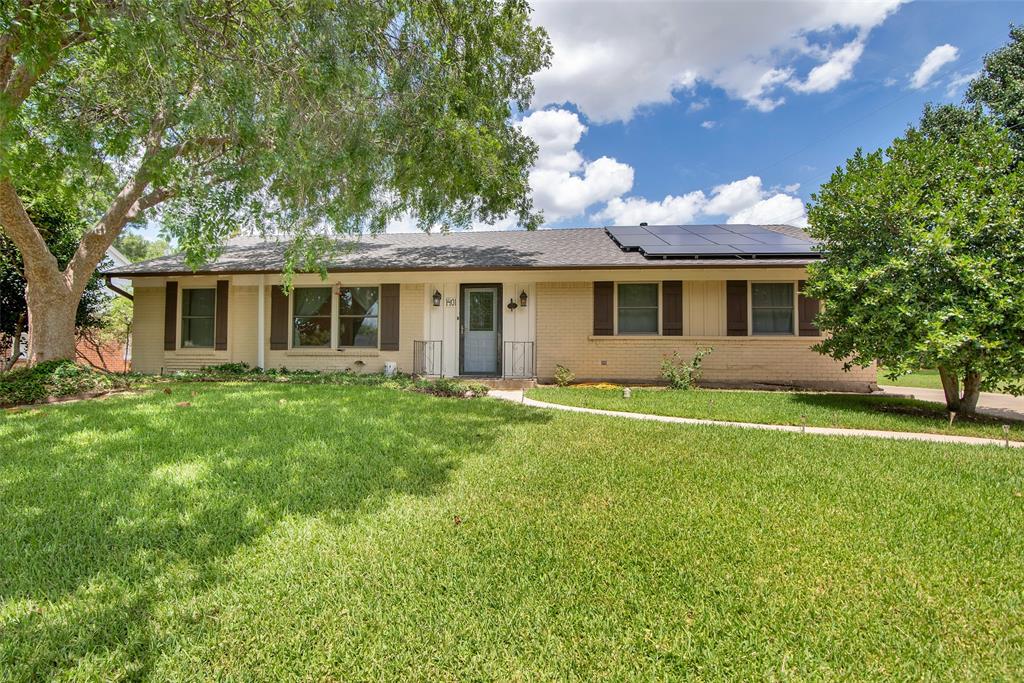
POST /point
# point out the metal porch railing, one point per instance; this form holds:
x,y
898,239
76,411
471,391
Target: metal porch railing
x,y
427,357
518,361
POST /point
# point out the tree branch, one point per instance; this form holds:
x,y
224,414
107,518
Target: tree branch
x,y
15,221
125,207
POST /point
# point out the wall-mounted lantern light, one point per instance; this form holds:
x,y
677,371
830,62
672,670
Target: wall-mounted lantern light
x,y
437,298
522,298
512,305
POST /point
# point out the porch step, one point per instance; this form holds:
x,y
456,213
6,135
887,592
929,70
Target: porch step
x,y
503,383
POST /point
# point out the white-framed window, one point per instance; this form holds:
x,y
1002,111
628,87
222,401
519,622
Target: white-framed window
x,y
359,317
198,312
772,308
311,317
637,308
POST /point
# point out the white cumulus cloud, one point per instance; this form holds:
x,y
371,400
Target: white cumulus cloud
x,y
613,58
671,209
933,61
741,201
562,182
837,68
778,208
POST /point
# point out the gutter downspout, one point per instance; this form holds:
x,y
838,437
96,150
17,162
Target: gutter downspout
x,y
114,288
261,324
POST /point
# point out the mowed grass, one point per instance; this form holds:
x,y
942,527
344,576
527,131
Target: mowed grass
x,y
855,411
273,532
925,379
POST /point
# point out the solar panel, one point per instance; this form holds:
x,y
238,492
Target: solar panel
x,y
709,250
735,240
711,240
686,239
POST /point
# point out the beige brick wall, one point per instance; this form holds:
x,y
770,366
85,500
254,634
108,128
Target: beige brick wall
x,y
148,336
563,306
565,335
410,328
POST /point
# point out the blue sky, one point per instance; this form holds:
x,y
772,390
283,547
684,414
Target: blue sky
x,y
761,100
732,110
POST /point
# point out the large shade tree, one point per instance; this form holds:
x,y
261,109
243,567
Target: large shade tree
x,y
999,87
61,228
925,256
304,118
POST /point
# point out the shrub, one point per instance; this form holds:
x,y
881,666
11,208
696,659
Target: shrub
x,y
56,379
451,388
681,374
242,372
564,376
231,369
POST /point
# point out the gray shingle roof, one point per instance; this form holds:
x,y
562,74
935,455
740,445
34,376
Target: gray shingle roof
x,y
572,248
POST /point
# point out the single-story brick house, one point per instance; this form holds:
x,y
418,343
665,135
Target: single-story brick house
x,y
608,303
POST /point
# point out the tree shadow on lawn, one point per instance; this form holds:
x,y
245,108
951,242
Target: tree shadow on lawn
x,y
901,407
109,507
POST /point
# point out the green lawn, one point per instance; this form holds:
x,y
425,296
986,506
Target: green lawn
x,y
926,379
855,411
271,532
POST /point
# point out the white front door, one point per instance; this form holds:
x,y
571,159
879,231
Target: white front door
x,y
480,330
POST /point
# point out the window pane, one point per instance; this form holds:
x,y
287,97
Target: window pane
x,y
312,301
312,331
638,321
773,321
358,301
638,295
771,294
198,301
358,331
197,332
481,311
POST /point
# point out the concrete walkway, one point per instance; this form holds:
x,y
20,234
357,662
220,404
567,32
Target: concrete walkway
x,y
517,396
997,405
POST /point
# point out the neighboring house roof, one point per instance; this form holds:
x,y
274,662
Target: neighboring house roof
x,y
116,256
549,249
120,261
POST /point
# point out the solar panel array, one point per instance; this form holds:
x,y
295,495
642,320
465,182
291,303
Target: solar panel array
x,y
710,241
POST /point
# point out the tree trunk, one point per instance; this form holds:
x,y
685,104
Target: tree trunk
x,y
51,320
972,391
951,387
965,403
15,343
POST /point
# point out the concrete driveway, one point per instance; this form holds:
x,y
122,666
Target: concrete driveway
x,y
996,405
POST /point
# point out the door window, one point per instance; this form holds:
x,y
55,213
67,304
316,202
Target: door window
x,y
481,311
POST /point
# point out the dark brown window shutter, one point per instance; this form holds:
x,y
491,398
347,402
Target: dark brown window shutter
x,y
171,317
278,319
736,308
604,303
807,312
389,314
672,308
221,323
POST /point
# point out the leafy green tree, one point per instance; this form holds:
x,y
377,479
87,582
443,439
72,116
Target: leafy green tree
x,y
307,118
137,248
61,229
925,257
1000,86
